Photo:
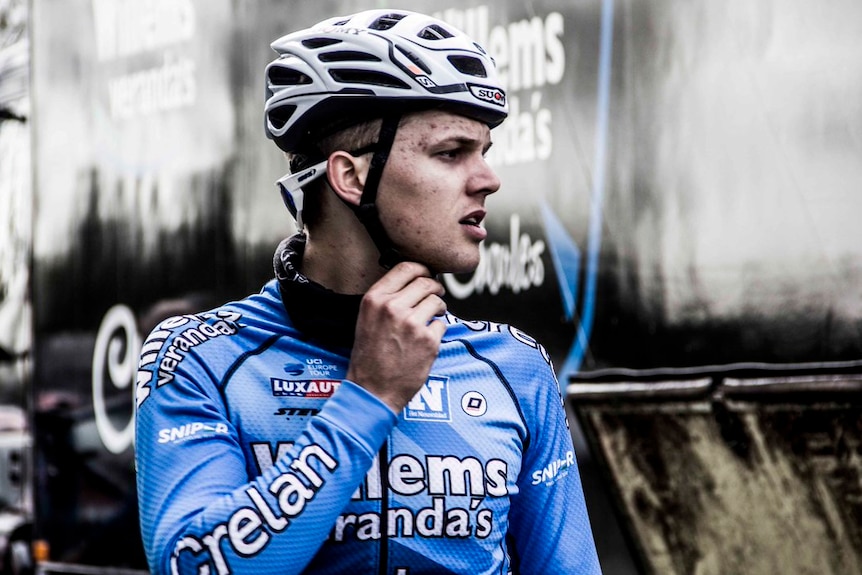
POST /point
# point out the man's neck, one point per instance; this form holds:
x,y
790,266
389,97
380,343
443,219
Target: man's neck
x,y
346,263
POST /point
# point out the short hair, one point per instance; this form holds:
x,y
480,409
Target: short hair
x,y
348,139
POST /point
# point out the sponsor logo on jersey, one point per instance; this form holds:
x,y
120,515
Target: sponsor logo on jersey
x,y
313,367
251,526
173,346
315,388
431,403
190,430
461,505
555,470
289,412
294,368
474,404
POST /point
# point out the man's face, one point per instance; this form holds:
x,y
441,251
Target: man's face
x,y
432,194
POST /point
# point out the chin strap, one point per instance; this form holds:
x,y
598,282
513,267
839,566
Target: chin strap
x,y
366,211
290,187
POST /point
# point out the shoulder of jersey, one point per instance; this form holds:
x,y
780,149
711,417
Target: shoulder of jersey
x,y
191,330
458,328
220,335
504,343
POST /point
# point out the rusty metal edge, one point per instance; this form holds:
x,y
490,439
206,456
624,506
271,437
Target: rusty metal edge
x,y
740,380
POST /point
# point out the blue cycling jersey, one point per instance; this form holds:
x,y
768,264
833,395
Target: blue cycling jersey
x,y
255,455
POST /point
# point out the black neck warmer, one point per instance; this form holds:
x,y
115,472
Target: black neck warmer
x,y
317,312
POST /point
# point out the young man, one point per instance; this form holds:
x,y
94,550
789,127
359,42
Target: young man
x,y
341,421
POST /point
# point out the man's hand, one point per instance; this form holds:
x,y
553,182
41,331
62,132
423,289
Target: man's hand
x,y
396,337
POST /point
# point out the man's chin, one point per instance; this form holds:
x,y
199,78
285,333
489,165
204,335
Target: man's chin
x,y
464,262
465,266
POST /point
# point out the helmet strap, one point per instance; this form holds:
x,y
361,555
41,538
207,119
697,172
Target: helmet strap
x,y
366,211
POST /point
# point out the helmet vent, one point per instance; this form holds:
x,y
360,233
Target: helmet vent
x,y
386,22
315,43
367,77
278,117
435,32
347,56
469,65
283,76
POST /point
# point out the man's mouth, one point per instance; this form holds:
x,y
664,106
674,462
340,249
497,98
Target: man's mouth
x,y
474,219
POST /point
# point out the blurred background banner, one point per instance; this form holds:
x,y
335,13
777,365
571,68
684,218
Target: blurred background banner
x,y
15,195
677,225
713,152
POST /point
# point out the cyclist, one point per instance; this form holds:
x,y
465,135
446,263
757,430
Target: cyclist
x,y
341,420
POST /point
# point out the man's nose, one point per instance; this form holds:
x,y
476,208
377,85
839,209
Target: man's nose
x,y
484,179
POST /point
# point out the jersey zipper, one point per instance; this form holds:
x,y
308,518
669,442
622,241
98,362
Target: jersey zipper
x,y
383,460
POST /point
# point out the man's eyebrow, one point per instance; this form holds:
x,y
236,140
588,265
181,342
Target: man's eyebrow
x,y
468,141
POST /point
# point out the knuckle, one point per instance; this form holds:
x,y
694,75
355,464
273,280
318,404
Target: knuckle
x,y
374,301
417,269
429,285
406,267
371,298
390,308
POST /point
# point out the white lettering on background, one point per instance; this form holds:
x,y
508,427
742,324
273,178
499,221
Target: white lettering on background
x,y
517,266
126,29
530,54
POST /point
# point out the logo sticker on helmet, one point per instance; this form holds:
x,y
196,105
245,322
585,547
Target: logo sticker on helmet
x,y
425,81
488,94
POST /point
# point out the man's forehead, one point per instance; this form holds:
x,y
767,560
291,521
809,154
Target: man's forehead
x,y
441,125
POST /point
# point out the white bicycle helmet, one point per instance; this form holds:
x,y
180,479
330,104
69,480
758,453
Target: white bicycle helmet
x,y
345,70
373,64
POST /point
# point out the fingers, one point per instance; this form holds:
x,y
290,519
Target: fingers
x,y
437,329
407,289
427,309
397,338
404,274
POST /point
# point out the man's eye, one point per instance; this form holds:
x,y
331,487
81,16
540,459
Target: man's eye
x,y
454,153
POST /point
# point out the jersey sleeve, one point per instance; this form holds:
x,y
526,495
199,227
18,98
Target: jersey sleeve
x,y
199,511
549,526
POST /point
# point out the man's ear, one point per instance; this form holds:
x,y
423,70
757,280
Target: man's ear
x,y
347,175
